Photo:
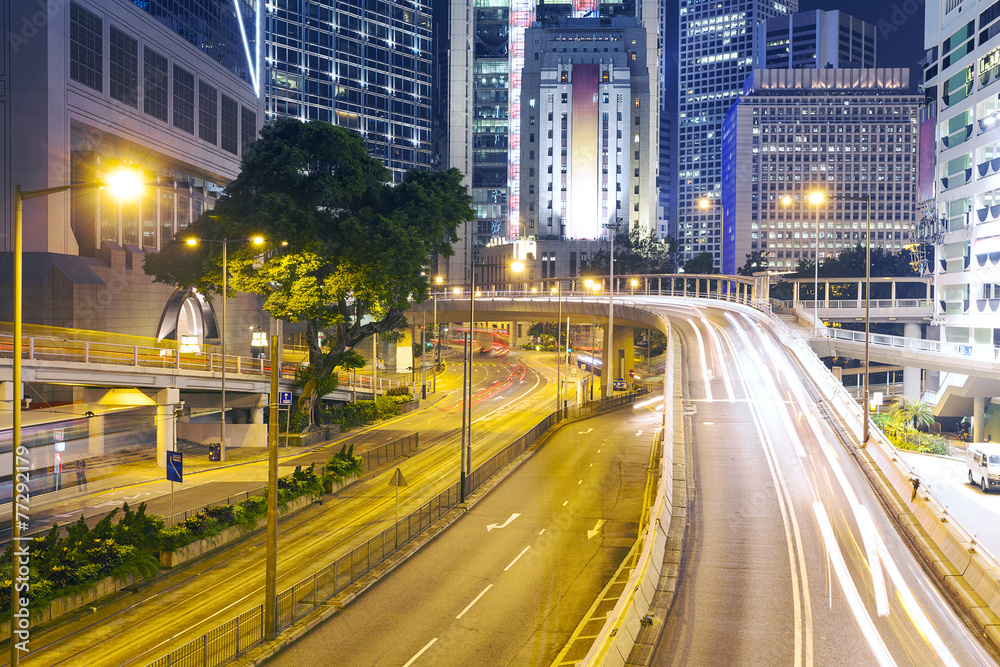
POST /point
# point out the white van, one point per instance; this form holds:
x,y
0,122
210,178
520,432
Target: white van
x,y
983,462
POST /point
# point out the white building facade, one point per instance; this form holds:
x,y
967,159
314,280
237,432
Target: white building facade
x,y
962,74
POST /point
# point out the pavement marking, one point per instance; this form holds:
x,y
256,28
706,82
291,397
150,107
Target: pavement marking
x,y
420,652
506,523
596,530
638,433
591,465
565,503
598,451
584,432
541,531
481,594
511,564
580,482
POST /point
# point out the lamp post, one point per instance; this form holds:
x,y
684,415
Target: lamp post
x,y
256,240
123,184
609,363
818,197
437,336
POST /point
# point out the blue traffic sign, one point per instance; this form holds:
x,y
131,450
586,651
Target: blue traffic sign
x,y
175,467
619,385
284,398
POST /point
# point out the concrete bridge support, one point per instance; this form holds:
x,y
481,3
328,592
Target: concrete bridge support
x,y
167,400
619,357
978,418
911,376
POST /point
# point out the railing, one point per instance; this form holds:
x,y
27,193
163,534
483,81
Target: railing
x,y
37,348
236,636
875,304
963,350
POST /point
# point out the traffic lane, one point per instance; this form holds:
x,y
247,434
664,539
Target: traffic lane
x,y
884,595
734,603
231,581
513,593
947,479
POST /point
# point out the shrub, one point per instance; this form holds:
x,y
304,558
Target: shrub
x,y
398,391
343,466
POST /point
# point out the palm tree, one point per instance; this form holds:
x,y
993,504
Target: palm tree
x,y
911,413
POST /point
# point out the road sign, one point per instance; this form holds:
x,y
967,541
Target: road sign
x,y
57,463
965,349
397,478
619,385
284,398
58,434
175,466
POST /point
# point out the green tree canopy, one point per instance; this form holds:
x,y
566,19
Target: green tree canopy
x,y
345,249
755,263
635,253
702,263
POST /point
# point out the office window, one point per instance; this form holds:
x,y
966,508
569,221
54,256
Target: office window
x,y
154,84
86,48
248,129
183,100
230,124
208,113
123,67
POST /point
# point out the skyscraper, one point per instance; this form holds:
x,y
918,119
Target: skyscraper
x,y
486,47
815,40
716,55
364,66
962,71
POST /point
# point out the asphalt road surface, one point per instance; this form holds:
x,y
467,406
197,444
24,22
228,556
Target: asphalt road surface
x,y
789,558
508,583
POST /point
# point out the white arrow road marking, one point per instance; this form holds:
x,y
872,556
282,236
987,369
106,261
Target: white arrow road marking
x,y
638,433
587,431
491,526
596,530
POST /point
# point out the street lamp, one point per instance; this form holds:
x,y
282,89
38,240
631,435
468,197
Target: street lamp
x,y
193,241
437,333
817,197
608,367
123,184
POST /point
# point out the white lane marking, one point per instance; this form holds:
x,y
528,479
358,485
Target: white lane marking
x,y
598,451
591,465
706,374
638,433
597,529
565,503
541,531
420,652
580,482
708,423
511,564
506,523
585,432
854,600
481,594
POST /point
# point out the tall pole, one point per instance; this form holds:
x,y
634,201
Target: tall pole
x,y
15,596
222,335
593,354
437,337
609,362
868,299
472,329
271,566
816,273
423,354
558,356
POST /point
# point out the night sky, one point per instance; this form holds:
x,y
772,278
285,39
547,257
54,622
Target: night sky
x,y
899,36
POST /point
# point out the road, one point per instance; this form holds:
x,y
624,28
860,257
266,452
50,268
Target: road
x,y
508,583
975,510
789,558
138,629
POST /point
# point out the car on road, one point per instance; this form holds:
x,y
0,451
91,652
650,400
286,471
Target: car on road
x,y
983,461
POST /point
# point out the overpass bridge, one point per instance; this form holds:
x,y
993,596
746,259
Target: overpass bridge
x,y
843,299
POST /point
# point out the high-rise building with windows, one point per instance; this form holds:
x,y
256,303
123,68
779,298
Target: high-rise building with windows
x,y
815,40
367,67
487,56
962,78
166,88
844,132
716,55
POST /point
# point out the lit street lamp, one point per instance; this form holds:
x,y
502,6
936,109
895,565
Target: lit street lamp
x,y
123,184
256,240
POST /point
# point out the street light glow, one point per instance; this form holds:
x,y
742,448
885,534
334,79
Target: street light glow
x,y
257,240
439,280
817,197
786,200
517,267
124,183
192,241
704,203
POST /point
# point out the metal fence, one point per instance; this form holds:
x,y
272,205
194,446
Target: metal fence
x,y
381,455
242,633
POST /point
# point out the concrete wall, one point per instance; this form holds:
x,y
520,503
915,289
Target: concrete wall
x,y
237,435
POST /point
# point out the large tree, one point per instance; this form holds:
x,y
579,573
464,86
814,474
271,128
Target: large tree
x,y
346,250
635,253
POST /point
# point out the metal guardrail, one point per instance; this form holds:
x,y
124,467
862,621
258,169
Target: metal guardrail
x,y
238,635
36,348
965,350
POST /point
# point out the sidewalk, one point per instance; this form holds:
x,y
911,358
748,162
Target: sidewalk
x,y
110,479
